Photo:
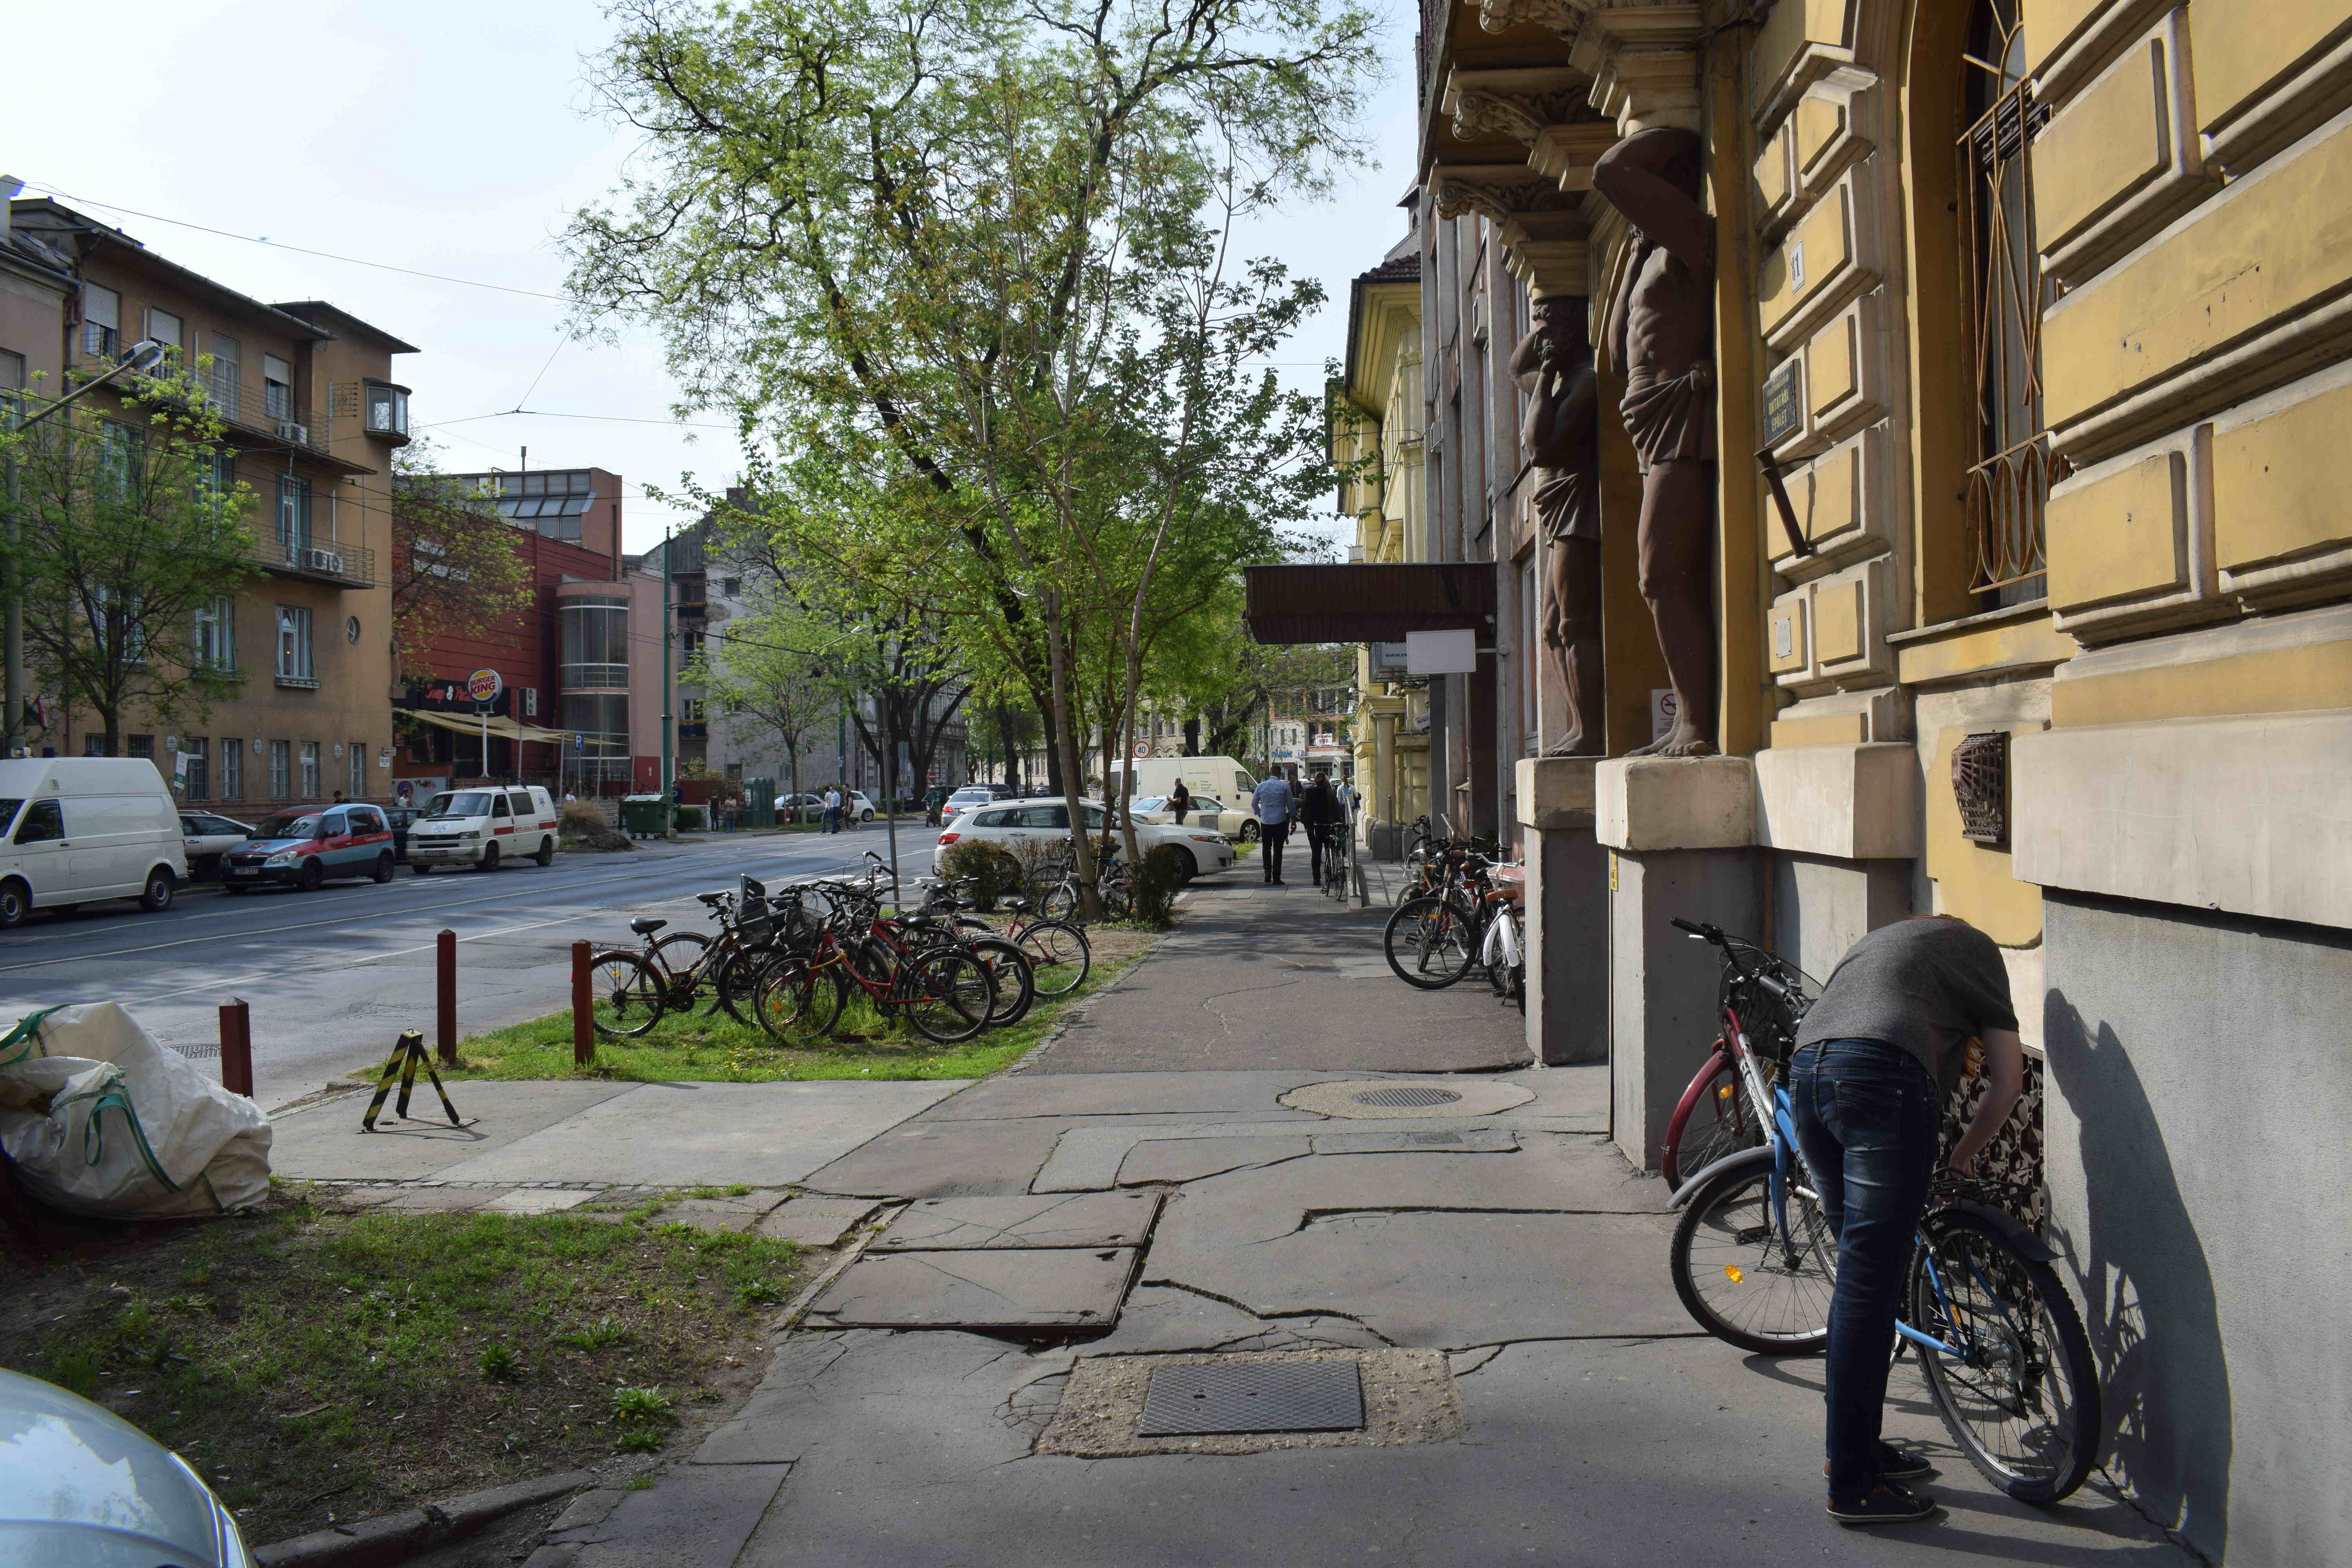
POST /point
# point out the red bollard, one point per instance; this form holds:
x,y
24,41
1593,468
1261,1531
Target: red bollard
x,y
237,1048
583,1015
444,992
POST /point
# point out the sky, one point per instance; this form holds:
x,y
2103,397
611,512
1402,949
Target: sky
x,y
457,138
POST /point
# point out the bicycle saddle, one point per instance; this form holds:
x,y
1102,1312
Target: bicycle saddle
x,y
646,925
712,899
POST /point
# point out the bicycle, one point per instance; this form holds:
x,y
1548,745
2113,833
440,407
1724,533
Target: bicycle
x,y
1714,1116
948,995
668,973
1058,951
2000,1346
1434,937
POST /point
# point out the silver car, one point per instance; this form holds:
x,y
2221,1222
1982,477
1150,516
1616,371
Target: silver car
x,y
82,1488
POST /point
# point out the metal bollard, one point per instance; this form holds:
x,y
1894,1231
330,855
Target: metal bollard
x,y
583,1015
237,1048
444,993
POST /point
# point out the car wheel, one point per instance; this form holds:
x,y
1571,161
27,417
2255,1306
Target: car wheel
x,y
312,876
546,856
865,816
156,897
1248,835
489,861
16,903
1187,869
384,867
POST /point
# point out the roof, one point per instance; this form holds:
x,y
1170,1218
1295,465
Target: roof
x,y
310,310
1400,265
65,220
1366,603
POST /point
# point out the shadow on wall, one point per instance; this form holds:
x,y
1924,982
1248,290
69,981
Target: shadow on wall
x,y
2152,1316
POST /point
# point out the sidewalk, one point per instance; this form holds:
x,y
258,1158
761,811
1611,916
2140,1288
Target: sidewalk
x,y
1201,1172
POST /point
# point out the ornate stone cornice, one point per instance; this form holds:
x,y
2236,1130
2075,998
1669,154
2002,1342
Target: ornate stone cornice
x,y
1516,104
1502,15
1498,192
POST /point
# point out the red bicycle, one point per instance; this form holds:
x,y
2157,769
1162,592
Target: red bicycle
x,y
1715,1116
945,992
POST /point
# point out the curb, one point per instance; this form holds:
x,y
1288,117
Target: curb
x,y
394,1538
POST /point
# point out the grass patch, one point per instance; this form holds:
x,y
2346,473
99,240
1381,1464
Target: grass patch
x,y
347,1365
711,1047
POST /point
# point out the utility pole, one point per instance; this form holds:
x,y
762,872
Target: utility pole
x,y
666,763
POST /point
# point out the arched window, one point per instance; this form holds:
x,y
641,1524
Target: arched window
x,y
2012,475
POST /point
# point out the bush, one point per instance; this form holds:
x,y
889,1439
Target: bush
x,y
1157,882
994,872
581,817
692,819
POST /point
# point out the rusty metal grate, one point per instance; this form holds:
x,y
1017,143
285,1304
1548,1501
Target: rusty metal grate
x,y
1980,785
1264,1396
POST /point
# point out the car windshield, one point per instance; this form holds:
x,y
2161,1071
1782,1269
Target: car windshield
x,y
289,825
464,802
1149,802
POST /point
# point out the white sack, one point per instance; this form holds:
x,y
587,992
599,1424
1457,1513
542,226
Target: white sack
x,y
100,1120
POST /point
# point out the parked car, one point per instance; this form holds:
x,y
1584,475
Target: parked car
x,y
403,819
84,1486
1206,811
483,828
857,806
799,808
303,848
208,838
1042,821
86,828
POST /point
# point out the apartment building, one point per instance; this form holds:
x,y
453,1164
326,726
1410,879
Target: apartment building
x,y
312,416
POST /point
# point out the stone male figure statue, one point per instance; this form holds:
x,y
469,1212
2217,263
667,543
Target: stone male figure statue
x,y
1663,330
1554,364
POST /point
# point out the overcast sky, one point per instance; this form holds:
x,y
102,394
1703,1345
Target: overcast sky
x,y
451,138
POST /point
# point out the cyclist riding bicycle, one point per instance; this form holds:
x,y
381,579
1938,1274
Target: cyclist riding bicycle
x,y
1875,1059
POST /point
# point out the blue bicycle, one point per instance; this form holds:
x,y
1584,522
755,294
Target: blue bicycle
x,y
2000,1342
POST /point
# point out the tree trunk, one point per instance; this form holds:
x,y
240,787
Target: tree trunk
x,y
1065,752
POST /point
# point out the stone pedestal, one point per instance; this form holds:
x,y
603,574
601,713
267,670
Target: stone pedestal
x,y
1680,832
1568,912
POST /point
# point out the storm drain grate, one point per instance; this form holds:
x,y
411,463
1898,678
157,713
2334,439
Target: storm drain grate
x,y
1268,1396
1407,1094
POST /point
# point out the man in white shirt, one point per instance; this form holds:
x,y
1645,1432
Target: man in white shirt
x,y
1271,804
831,810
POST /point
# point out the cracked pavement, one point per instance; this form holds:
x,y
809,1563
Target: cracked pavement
x,y
1500,1278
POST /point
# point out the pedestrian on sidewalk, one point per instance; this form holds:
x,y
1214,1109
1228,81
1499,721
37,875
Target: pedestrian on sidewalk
x,y
1876,1057
832,809
1179,801
1271,804
1319,810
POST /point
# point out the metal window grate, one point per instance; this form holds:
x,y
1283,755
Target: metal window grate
x,y
1407,1094
1263,1397
1980,786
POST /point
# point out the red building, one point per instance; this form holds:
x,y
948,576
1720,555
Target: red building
x,y
567,530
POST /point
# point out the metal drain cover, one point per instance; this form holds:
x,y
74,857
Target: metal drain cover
x,y
1407,1094
1269,1397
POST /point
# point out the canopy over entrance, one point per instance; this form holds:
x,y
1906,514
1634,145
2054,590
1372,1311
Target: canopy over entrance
x,y
1367,603
503,728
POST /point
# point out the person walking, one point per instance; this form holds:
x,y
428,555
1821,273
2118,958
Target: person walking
x,y
832,809
1318,809
1271,804
1876,1058
1179,801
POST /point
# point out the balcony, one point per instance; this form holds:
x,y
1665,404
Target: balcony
x,y
316,561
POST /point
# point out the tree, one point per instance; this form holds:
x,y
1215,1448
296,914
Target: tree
x,y
132,545
919,242
765,680
456,569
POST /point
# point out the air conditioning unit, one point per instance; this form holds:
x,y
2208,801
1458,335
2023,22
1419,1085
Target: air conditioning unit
x,y
289,431
323,560
529,702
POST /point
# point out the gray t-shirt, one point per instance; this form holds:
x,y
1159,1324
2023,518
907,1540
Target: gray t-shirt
x,y
1924,985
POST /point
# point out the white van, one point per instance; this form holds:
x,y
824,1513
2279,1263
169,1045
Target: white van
x,y
484,827
84,828
1221,779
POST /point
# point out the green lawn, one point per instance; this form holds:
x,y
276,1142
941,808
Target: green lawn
x,y
710,1046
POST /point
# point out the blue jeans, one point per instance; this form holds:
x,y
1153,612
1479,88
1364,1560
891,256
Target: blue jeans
x,y
1867,1116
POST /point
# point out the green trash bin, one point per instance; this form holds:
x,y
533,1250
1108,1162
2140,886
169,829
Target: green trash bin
x,y
645,815
759,803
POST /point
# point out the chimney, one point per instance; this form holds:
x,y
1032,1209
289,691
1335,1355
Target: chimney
x,y
9,186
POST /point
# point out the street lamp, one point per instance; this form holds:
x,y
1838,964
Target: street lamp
x,y
144,356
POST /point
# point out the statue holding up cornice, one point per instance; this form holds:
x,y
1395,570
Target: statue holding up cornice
x,y
1554,364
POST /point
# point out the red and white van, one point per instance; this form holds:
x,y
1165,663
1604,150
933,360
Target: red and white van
x,y
484,828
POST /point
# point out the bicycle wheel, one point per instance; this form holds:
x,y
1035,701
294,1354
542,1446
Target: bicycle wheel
x,y
1016,982
946,995
736,985
1431,943
677,956
797,1004
1742,1278
1713,1119
626,993
2023,1397
1060,901
1059,955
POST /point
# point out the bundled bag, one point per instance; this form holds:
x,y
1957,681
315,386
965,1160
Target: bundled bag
x,y
99,1119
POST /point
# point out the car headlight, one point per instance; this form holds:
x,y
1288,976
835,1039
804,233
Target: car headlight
x,y
1206,837
283,857
471,833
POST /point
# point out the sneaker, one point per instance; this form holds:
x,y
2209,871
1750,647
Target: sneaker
x,y
1890,1504
1897,1464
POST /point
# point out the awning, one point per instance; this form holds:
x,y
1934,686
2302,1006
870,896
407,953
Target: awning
x,y
1366,603
504,729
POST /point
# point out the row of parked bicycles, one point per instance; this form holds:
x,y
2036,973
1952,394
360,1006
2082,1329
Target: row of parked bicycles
x,y
791,961
1464,909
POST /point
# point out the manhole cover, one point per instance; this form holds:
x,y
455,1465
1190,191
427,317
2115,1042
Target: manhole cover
x,y
1406,1094
1270,1396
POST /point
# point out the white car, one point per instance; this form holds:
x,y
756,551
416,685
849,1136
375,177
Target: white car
x,y
208,838
1044,820
857,809
84,1486
1205,812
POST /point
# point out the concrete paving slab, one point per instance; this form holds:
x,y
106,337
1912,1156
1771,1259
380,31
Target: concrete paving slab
x,y
1157,1319
440,1200
917,1399
814,1222
1121,1094
689,1135
928,1159
697,1516
1092,1157
325,1141
1190,1159
1086,1219
1039,1289
1466,1141
537,1200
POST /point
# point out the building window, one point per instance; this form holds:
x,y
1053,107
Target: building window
x,y
732,587
2010,480
12,371
102,321
293,516
215,642
387,409
232,767
167,329
294,646
281,768
93,745
197,768
595,643
276,388
138,746
121,455
222,378
356,754
310,770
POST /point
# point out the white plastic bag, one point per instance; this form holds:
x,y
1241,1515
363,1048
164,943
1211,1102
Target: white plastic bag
x,y
100,1120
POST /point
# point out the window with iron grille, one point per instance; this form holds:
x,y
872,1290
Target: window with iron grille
x,y
281,768
2010,482
232,767
310,770
102,321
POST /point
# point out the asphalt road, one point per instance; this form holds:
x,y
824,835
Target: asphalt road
x,y
332,977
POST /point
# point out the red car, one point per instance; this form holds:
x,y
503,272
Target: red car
x,y
303,848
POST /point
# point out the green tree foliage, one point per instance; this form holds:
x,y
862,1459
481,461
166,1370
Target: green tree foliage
x,y
456,568
760,672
